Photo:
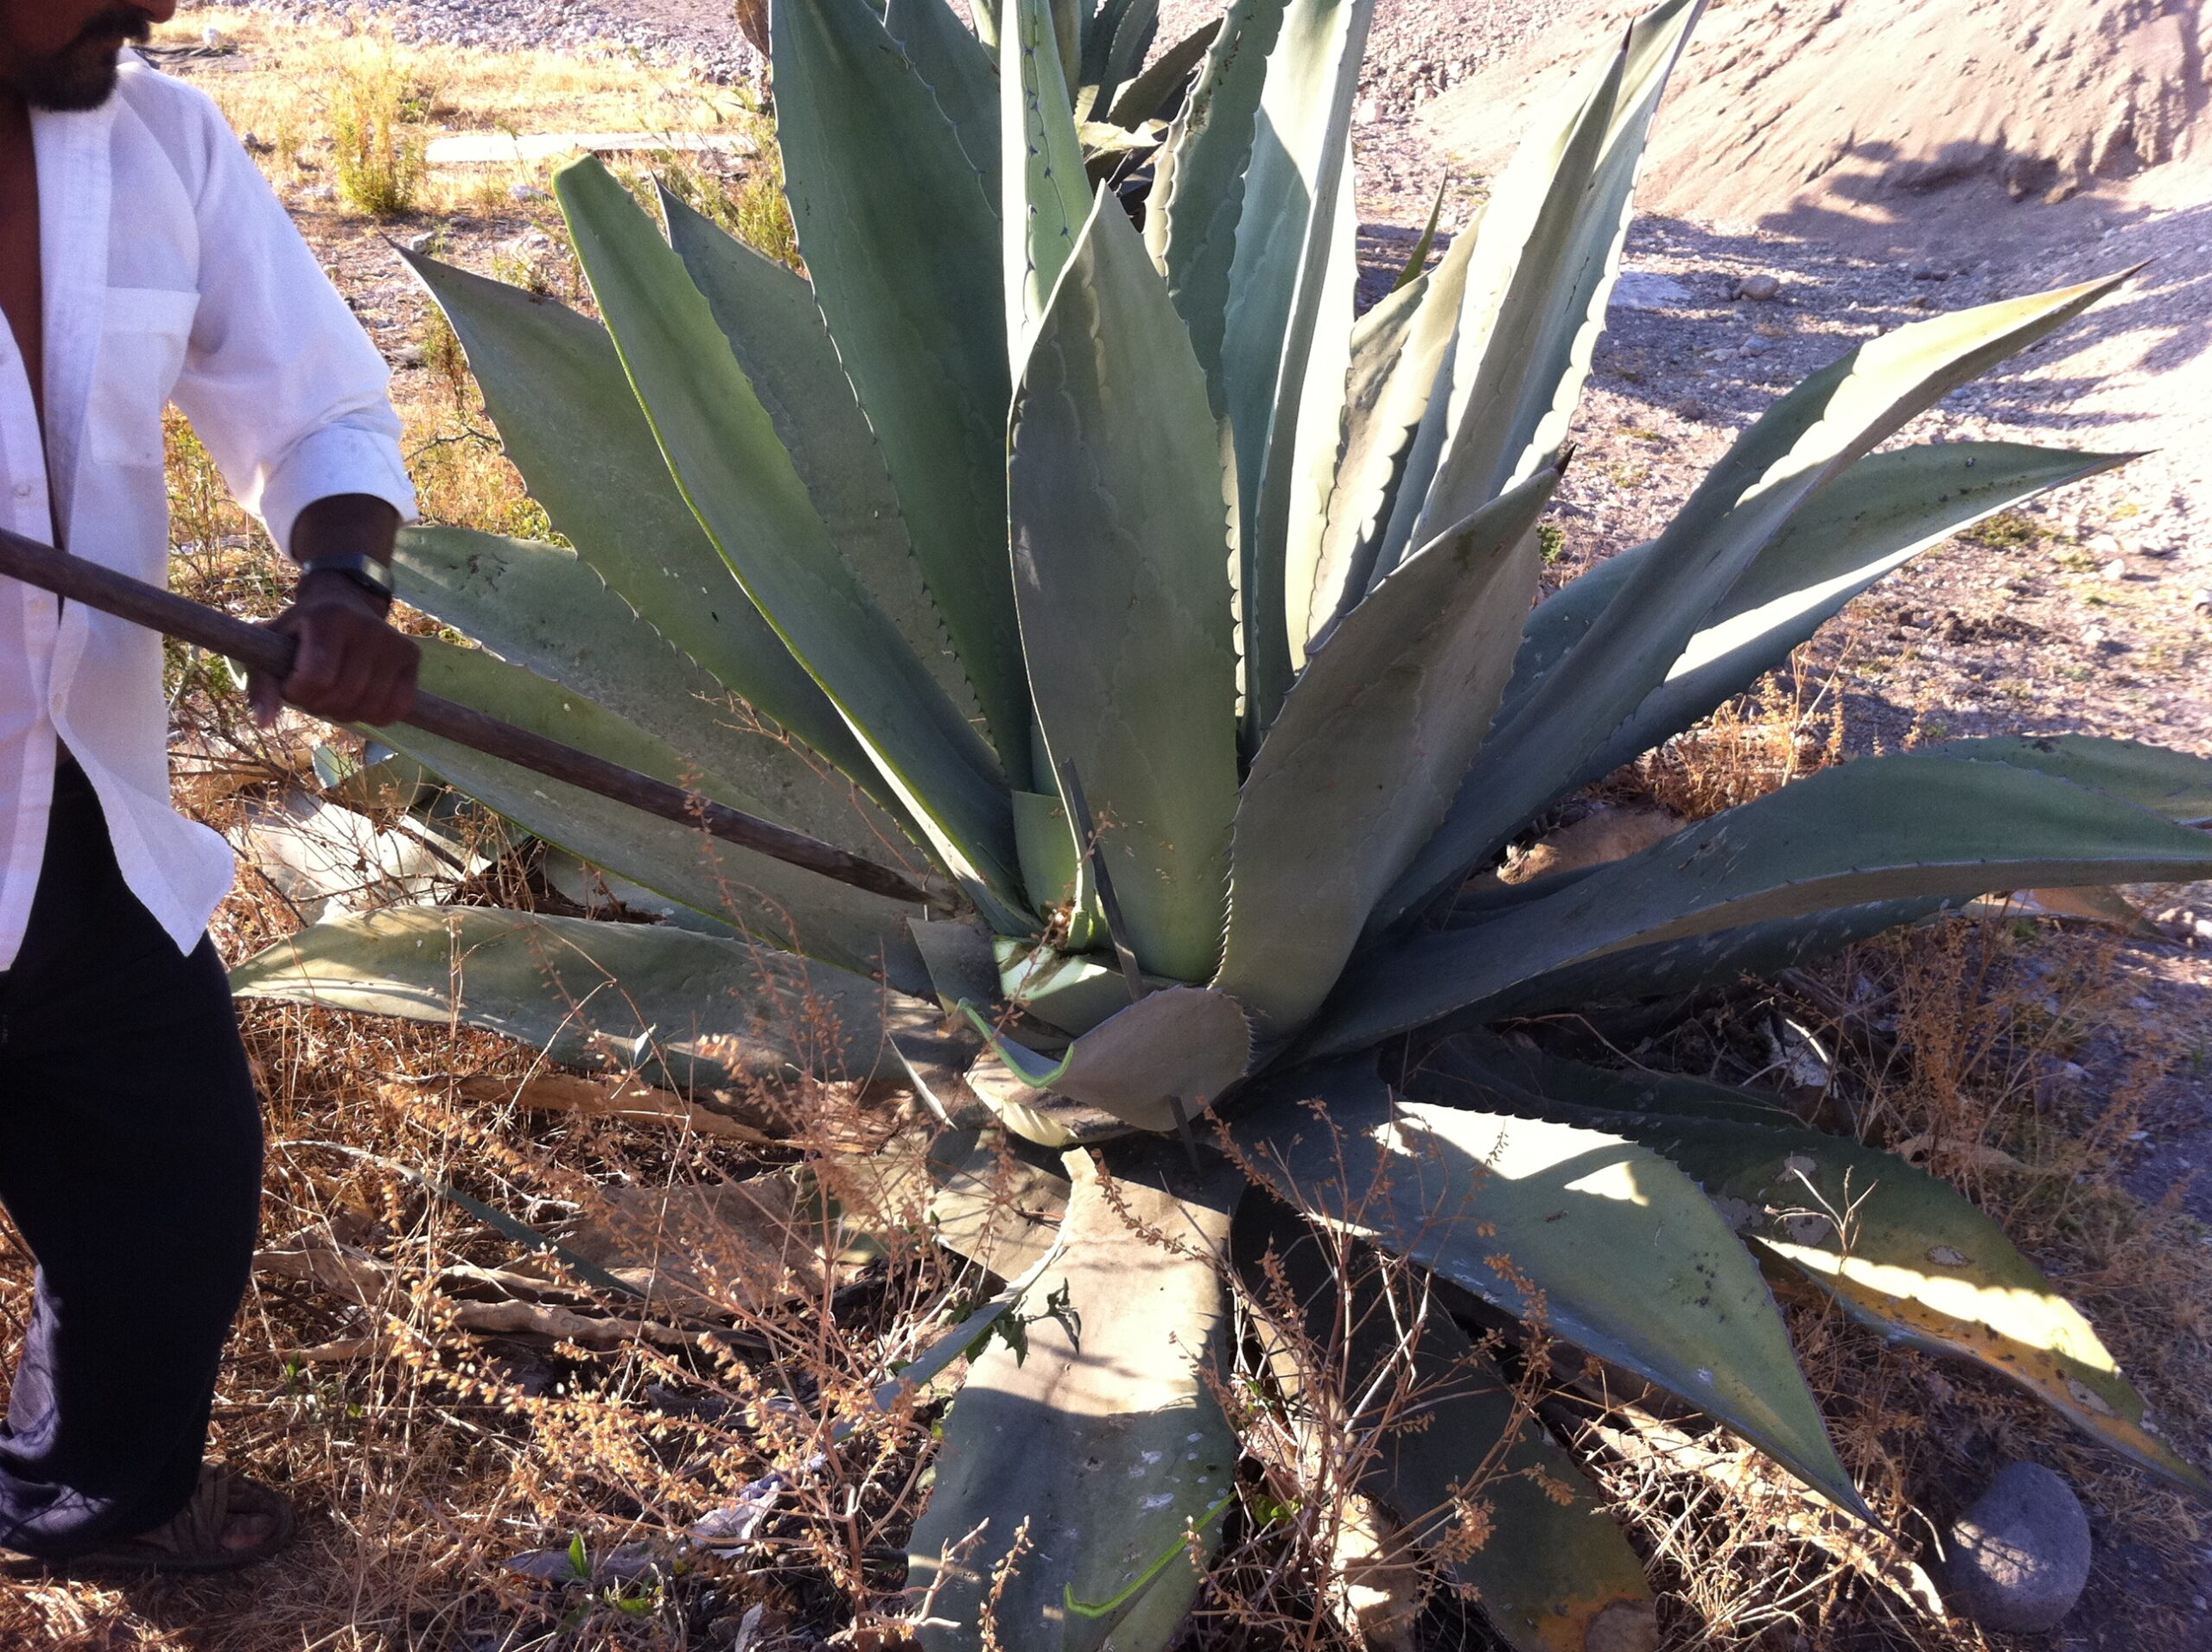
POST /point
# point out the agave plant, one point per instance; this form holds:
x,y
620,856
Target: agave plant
x,y
1186,630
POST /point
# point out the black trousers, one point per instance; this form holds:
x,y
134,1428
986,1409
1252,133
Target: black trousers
x,y
131,1161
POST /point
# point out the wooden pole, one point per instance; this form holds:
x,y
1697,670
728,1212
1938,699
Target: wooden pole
x,y
260,648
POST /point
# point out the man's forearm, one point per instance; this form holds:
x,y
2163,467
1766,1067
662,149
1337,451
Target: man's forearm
x,y
345,523
351,666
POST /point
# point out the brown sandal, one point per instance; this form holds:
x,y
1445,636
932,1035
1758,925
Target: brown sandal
x,y
193,1541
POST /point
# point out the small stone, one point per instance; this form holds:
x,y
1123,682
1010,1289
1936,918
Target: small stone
x,y
320,191
1645,289
2201,602
1760,290
1367,111
526,191
408,356
2115,570
2104,544
2094,637
2019,1558
426,242
1691,409
1929,272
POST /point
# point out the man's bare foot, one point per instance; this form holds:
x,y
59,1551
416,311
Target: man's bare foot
x,y
243,1528
231,1521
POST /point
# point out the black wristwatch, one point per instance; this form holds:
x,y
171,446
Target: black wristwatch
x,y
364,570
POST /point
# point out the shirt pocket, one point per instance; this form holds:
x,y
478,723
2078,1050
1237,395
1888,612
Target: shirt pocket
x,y
143,335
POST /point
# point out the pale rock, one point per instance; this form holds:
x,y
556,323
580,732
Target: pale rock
x,y
2115,570
1760,290
2019,1558
1647,290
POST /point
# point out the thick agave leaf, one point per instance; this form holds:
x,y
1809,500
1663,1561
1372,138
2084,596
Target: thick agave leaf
x,y
1554,1574
956,65
1883,828
1135,29
894,222
1198,191
1073,992
1056,875
1803,443
755,892
769,317
1699,962
1096,37
1365,758
1103,1448
1186,1044
568,419
1121,567
1390,435
996,1203
540,607
734,469
1601,1241
1416,263
2174,783
1542,276
1312,586
1879,515
1047,193
1070,19
1899,1249
1153,94
963,969
1289,285
694,1008
1883,511
1693,965
1302,520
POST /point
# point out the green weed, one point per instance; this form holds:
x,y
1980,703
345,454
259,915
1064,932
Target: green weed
x,y
378,158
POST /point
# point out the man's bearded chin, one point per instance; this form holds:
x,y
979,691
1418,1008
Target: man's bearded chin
x,y
82,74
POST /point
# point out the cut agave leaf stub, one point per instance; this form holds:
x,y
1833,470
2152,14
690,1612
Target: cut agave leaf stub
x,y
1072,1480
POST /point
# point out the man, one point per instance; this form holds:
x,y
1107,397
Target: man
x,y
143,259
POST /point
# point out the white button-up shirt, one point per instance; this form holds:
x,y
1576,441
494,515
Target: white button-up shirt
x,y
171,273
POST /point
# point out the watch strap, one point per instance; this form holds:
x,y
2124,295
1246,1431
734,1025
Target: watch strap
x,y
363,570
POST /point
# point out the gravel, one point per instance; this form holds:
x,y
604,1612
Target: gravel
x,y
696,35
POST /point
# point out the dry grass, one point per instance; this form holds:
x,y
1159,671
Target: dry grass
x,y
427,1449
